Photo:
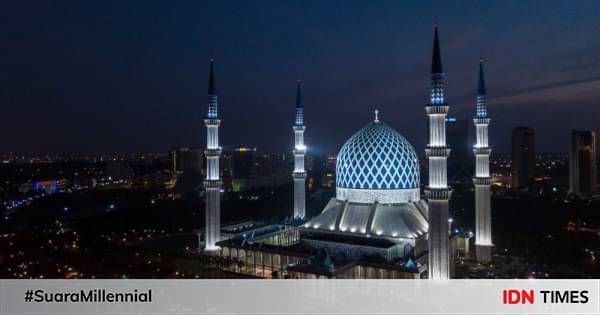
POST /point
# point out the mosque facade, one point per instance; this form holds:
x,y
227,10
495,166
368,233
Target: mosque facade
x,y
381,223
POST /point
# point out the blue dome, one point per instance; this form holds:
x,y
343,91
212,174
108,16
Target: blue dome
x,y
377,157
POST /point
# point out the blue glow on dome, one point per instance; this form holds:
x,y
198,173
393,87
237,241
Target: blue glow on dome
x,y
377,157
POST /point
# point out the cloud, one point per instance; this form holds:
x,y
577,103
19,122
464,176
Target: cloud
x,y
581,92
567,78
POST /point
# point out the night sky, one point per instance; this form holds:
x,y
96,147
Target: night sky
x,y
131,76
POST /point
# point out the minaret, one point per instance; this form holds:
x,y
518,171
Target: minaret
x,y
483,215
437,192
299,174
212,183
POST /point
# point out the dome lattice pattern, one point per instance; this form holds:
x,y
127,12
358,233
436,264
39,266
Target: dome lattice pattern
x,y
377,157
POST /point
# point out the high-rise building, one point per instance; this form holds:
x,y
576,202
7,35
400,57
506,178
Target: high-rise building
x,y
227,170
270,171
243,160
330,162
583,171
317,169
212,183
184,159
299,174
460,162
523,157
482,180
437,152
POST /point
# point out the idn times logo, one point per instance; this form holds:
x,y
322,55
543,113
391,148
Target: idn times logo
x,y
514,296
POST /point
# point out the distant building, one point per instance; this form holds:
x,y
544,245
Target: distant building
x,y
184,159
271,171
188,184
523,157
316,169
159,180
582,163
49,186
330,162
116,170
310,162
243,160
328,179
226,168
460,162
44,186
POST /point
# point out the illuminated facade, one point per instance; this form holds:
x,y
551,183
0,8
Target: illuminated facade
x,y
377,210
437,191
376,168
377,164
212,183
375,227
299,174
482,180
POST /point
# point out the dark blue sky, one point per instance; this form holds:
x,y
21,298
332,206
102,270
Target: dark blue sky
x,y
131,76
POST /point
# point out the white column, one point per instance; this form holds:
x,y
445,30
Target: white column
x,y
212,181
437,192
213,215
439,268
212,186
299,174
482,181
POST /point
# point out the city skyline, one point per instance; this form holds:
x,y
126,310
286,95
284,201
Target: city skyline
x,y
134,83
299,140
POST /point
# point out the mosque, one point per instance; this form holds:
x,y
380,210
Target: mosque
x,y
380,224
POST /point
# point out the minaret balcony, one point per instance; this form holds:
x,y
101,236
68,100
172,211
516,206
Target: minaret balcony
x,y
481,120
437,151
212,152
437,109
482,151
212,122
299,175
212,183
482,181
437,193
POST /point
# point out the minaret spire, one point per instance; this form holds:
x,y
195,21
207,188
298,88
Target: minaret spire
x,y
299,174
437,74
299,105
482,181
481,81
212,88
437,192
481,97
436,58
212,182
213,110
